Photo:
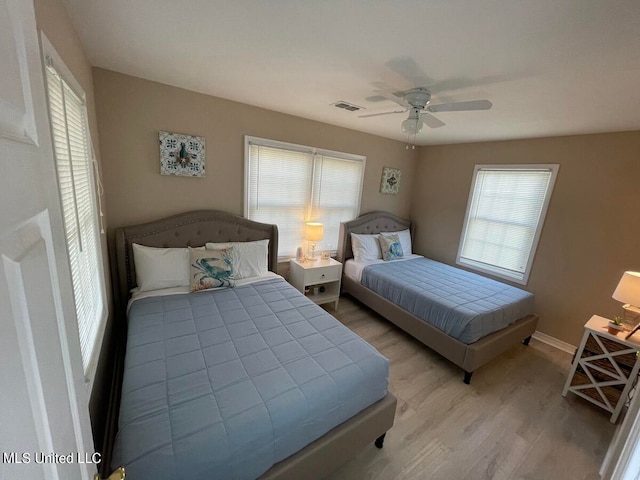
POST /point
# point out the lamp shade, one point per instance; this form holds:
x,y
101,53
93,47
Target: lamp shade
x,y
313,231
628,289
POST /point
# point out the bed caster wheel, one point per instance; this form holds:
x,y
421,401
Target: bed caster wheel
x,y
527,340
467,377
380,441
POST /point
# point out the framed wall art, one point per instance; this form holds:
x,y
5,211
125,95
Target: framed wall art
x,y
182,155
390,180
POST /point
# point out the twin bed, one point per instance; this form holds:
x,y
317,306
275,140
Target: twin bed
x,y
467,318
257,381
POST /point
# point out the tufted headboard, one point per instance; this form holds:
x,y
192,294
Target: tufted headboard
x,y
369,223
187,229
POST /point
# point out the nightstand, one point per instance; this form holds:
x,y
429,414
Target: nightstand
x,y
321,277
605,367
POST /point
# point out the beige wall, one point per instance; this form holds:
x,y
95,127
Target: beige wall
x,y
592,230
52,19
132,110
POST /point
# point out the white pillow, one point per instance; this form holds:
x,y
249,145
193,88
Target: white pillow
x,y
160,267
250,259
365,247
405,240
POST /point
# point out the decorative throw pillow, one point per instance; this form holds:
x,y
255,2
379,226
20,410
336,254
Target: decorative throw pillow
x,y
211,269
391,247
405,240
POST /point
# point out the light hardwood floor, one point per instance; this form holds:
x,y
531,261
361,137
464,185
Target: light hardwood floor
x,y
510,423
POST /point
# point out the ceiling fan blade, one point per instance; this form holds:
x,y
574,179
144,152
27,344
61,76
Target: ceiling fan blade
x,y
461,106
410,71
375,98
431,121
393,98
382,86
381,113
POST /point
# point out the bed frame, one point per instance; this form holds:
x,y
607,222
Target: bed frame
x,y
196,228
468,356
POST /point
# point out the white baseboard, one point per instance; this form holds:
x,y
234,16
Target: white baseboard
x,y
554,342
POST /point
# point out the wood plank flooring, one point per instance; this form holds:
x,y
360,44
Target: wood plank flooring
x,y
510,423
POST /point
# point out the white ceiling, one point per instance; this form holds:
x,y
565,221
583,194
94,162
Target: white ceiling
x,y
550,67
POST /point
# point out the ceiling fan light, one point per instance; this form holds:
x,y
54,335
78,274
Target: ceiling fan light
x,y
412,125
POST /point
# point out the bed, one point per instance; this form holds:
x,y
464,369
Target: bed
x,y
254,381
473,347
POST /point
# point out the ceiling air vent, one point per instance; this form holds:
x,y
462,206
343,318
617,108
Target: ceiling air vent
x,y
347,106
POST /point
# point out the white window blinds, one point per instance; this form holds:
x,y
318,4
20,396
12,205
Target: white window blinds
x,y
291,184
74,168
504,217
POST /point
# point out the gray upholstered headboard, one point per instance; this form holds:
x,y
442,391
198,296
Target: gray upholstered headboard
x,y
368,223
187,229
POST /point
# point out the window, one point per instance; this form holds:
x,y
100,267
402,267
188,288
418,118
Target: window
x,y
290,184
75,169
504,218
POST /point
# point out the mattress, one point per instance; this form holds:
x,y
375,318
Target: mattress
x,y
224,384
462,304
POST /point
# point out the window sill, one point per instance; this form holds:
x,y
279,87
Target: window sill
x,y
520,279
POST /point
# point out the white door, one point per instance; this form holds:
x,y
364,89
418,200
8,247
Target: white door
x,y
622,461
44,420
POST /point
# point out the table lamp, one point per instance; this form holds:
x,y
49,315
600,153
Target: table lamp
x,y
628,292
313,234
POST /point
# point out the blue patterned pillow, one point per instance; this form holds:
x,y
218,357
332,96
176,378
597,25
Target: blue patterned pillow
x,y
391,247
211,269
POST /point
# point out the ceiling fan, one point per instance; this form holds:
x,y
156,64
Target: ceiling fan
x,y
416,101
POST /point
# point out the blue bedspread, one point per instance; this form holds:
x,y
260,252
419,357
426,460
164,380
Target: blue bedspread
x,y
223,384
462,304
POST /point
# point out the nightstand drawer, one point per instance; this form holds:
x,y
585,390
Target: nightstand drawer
x,y
328,273
323,274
